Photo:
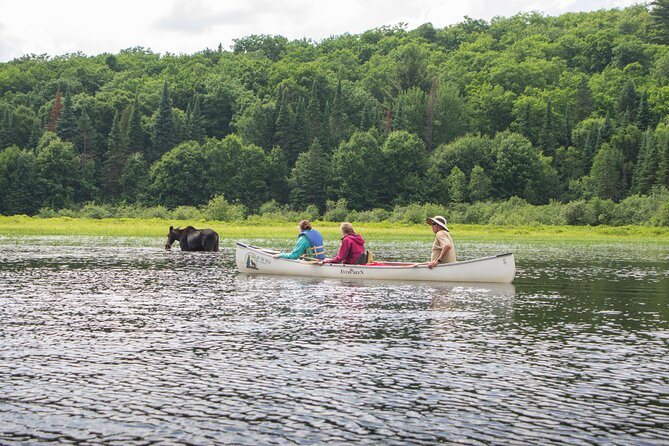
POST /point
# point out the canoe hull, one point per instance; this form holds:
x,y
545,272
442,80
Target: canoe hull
x,y
495,269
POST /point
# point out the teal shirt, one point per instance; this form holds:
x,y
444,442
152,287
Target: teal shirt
x,y
299,249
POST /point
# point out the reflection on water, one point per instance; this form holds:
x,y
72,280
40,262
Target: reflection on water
x,y
109,341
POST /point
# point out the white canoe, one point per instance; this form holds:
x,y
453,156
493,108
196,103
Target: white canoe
x,y
496,269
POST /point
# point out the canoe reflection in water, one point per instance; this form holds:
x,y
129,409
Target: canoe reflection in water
x,y
366,294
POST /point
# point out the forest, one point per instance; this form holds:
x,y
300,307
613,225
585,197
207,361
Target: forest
x,y
566,114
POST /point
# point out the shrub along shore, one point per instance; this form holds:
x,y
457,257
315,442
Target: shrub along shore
x,y
382,231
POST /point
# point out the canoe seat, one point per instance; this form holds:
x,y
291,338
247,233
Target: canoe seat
x,y
364,258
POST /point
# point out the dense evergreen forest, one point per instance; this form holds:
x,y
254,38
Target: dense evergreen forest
x,y
541,110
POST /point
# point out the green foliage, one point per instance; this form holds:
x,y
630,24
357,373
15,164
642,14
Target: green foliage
x,y
647,165
271,47
518,166
114,159
135,136
356,171
661,217
480,185
133,181
547,109
594,211
404,161
452,116
59,175
457,186
515,212
416,213
375,215
235,169
278,173
164,133
606,174
306,178
187,213
18,182
636,209
336,210
179,176
660,21
218,208
92,210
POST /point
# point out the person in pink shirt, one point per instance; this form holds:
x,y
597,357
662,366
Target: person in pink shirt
x,y
352,246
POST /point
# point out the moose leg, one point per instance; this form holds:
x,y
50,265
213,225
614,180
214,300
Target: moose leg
x,y
210,242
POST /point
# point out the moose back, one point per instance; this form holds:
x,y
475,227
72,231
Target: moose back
x,y
191,239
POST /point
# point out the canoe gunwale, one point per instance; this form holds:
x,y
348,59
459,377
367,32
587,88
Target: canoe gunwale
x,y
389,265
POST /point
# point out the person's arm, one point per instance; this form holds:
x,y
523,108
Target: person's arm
x,y
343,252
299,249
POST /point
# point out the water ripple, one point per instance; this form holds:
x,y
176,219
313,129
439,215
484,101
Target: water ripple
x,y
107,344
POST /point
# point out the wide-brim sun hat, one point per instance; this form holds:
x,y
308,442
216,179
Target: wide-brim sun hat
x,y
437,220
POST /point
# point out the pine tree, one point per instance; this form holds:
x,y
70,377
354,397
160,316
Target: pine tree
x,y
456,183
188,123
429,115
338,117
399,123
164,137
55,112
313,114
284,135
135,134
134,179
67,123
368,117
324,139
301,137
643,115
307,187
525,120
114,160
196,127
607,129
646,167
480,185
19,182
659,26
35,133
592,144
7,133
628,102
567,128
606,173
547,137
279,172
663,164
85,133
584,101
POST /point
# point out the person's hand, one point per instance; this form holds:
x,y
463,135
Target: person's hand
x,y
432,264
320,262
276,256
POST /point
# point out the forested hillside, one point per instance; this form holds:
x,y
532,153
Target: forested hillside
x,y
547,109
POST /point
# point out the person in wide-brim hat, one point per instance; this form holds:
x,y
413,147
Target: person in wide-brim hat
x,y
443,249
437,220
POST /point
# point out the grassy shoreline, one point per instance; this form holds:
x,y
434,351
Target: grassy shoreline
x,y
130,227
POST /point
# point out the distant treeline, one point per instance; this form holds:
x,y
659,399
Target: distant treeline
x,y
567,113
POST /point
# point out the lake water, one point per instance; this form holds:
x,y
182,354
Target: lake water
x,y
115,341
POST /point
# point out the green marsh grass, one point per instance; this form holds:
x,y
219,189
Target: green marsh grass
x,y
130,227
